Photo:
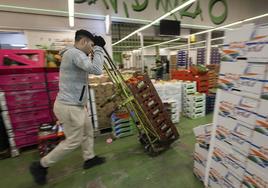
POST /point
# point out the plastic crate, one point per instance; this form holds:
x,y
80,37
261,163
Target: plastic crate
x,y
22,99
29,118
17,59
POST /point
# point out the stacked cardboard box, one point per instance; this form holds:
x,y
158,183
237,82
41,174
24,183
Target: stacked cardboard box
x,y
182,59
203,135
99,93
171,93
215,56
100,89
188,88
210,102
201,56
122,124
238,154
195,105
172,110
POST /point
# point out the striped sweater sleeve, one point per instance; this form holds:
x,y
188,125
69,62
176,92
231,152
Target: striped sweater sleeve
x,y
94,66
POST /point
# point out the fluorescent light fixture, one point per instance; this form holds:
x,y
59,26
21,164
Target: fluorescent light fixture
x,y
195,48
71,12
108,24
18,45
180,46
156,21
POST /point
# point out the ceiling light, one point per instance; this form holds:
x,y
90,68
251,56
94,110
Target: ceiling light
x,y
180,46
71,12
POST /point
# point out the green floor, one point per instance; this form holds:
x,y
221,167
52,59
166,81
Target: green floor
x,y
127,165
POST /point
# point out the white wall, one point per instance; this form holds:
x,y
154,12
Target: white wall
x,y
237,9
42,28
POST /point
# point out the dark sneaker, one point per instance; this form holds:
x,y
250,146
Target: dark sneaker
x,y
39,173
93,162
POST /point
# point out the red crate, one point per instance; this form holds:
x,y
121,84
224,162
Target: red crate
x,y
25,58
26,119
53,95
22,78
23,87
52,76
22,99
53,86
26,137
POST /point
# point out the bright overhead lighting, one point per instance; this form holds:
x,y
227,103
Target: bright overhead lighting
x,y
149,46
71,12
222,27
156,21
184,45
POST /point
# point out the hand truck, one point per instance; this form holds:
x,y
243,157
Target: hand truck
x,y
156,130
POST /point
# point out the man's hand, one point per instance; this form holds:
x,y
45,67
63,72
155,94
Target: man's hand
x,y
99,41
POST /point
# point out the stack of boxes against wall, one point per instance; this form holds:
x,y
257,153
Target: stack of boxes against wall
x,y
101,88
25,99
238,148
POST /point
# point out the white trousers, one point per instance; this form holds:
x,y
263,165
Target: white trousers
x,y
78,131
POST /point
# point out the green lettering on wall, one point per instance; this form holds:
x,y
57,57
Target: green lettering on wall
x,y
167,5
114,5
138,7
126,10
106,4
218,19
80,1
186,11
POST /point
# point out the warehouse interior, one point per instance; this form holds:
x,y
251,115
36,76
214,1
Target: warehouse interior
x,y
180,99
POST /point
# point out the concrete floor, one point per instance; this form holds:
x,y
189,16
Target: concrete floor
x,y
127,165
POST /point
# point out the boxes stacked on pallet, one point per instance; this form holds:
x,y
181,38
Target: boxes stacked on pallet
x,y
202,83
210,102
171,93
203,136
182,59
122,124
147,97
171,107
238,155
202,80
195,105
201,56
215,56
213,79
99,94
188,88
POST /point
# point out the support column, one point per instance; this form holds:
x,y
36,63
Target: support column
x,y
188,52
142,52
208,48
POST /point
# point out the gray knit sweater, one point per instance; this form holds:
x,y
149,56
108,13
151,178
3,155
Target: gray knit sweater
x,y
74,70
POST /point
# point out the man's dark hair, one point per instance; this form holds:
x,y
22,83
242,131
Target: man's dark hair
x,y
83,33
